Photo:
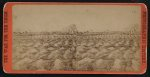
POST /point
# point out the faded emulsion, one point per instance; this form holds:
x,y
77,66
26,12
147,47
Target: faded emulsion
x,y
76,37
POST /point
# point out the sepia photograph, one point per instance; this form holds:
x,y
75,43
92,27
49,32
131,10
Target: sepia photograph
x,y
75,38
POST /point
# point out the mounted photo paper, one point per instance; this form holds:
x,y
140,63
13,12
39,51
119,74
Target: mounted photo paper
x,y
74,38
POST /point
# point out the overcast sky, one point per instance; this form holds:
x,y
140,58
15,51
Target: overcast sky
x,y
37,18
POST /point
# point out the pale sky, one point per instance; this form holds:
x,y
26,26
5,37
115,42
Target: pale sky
x,y
37,18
